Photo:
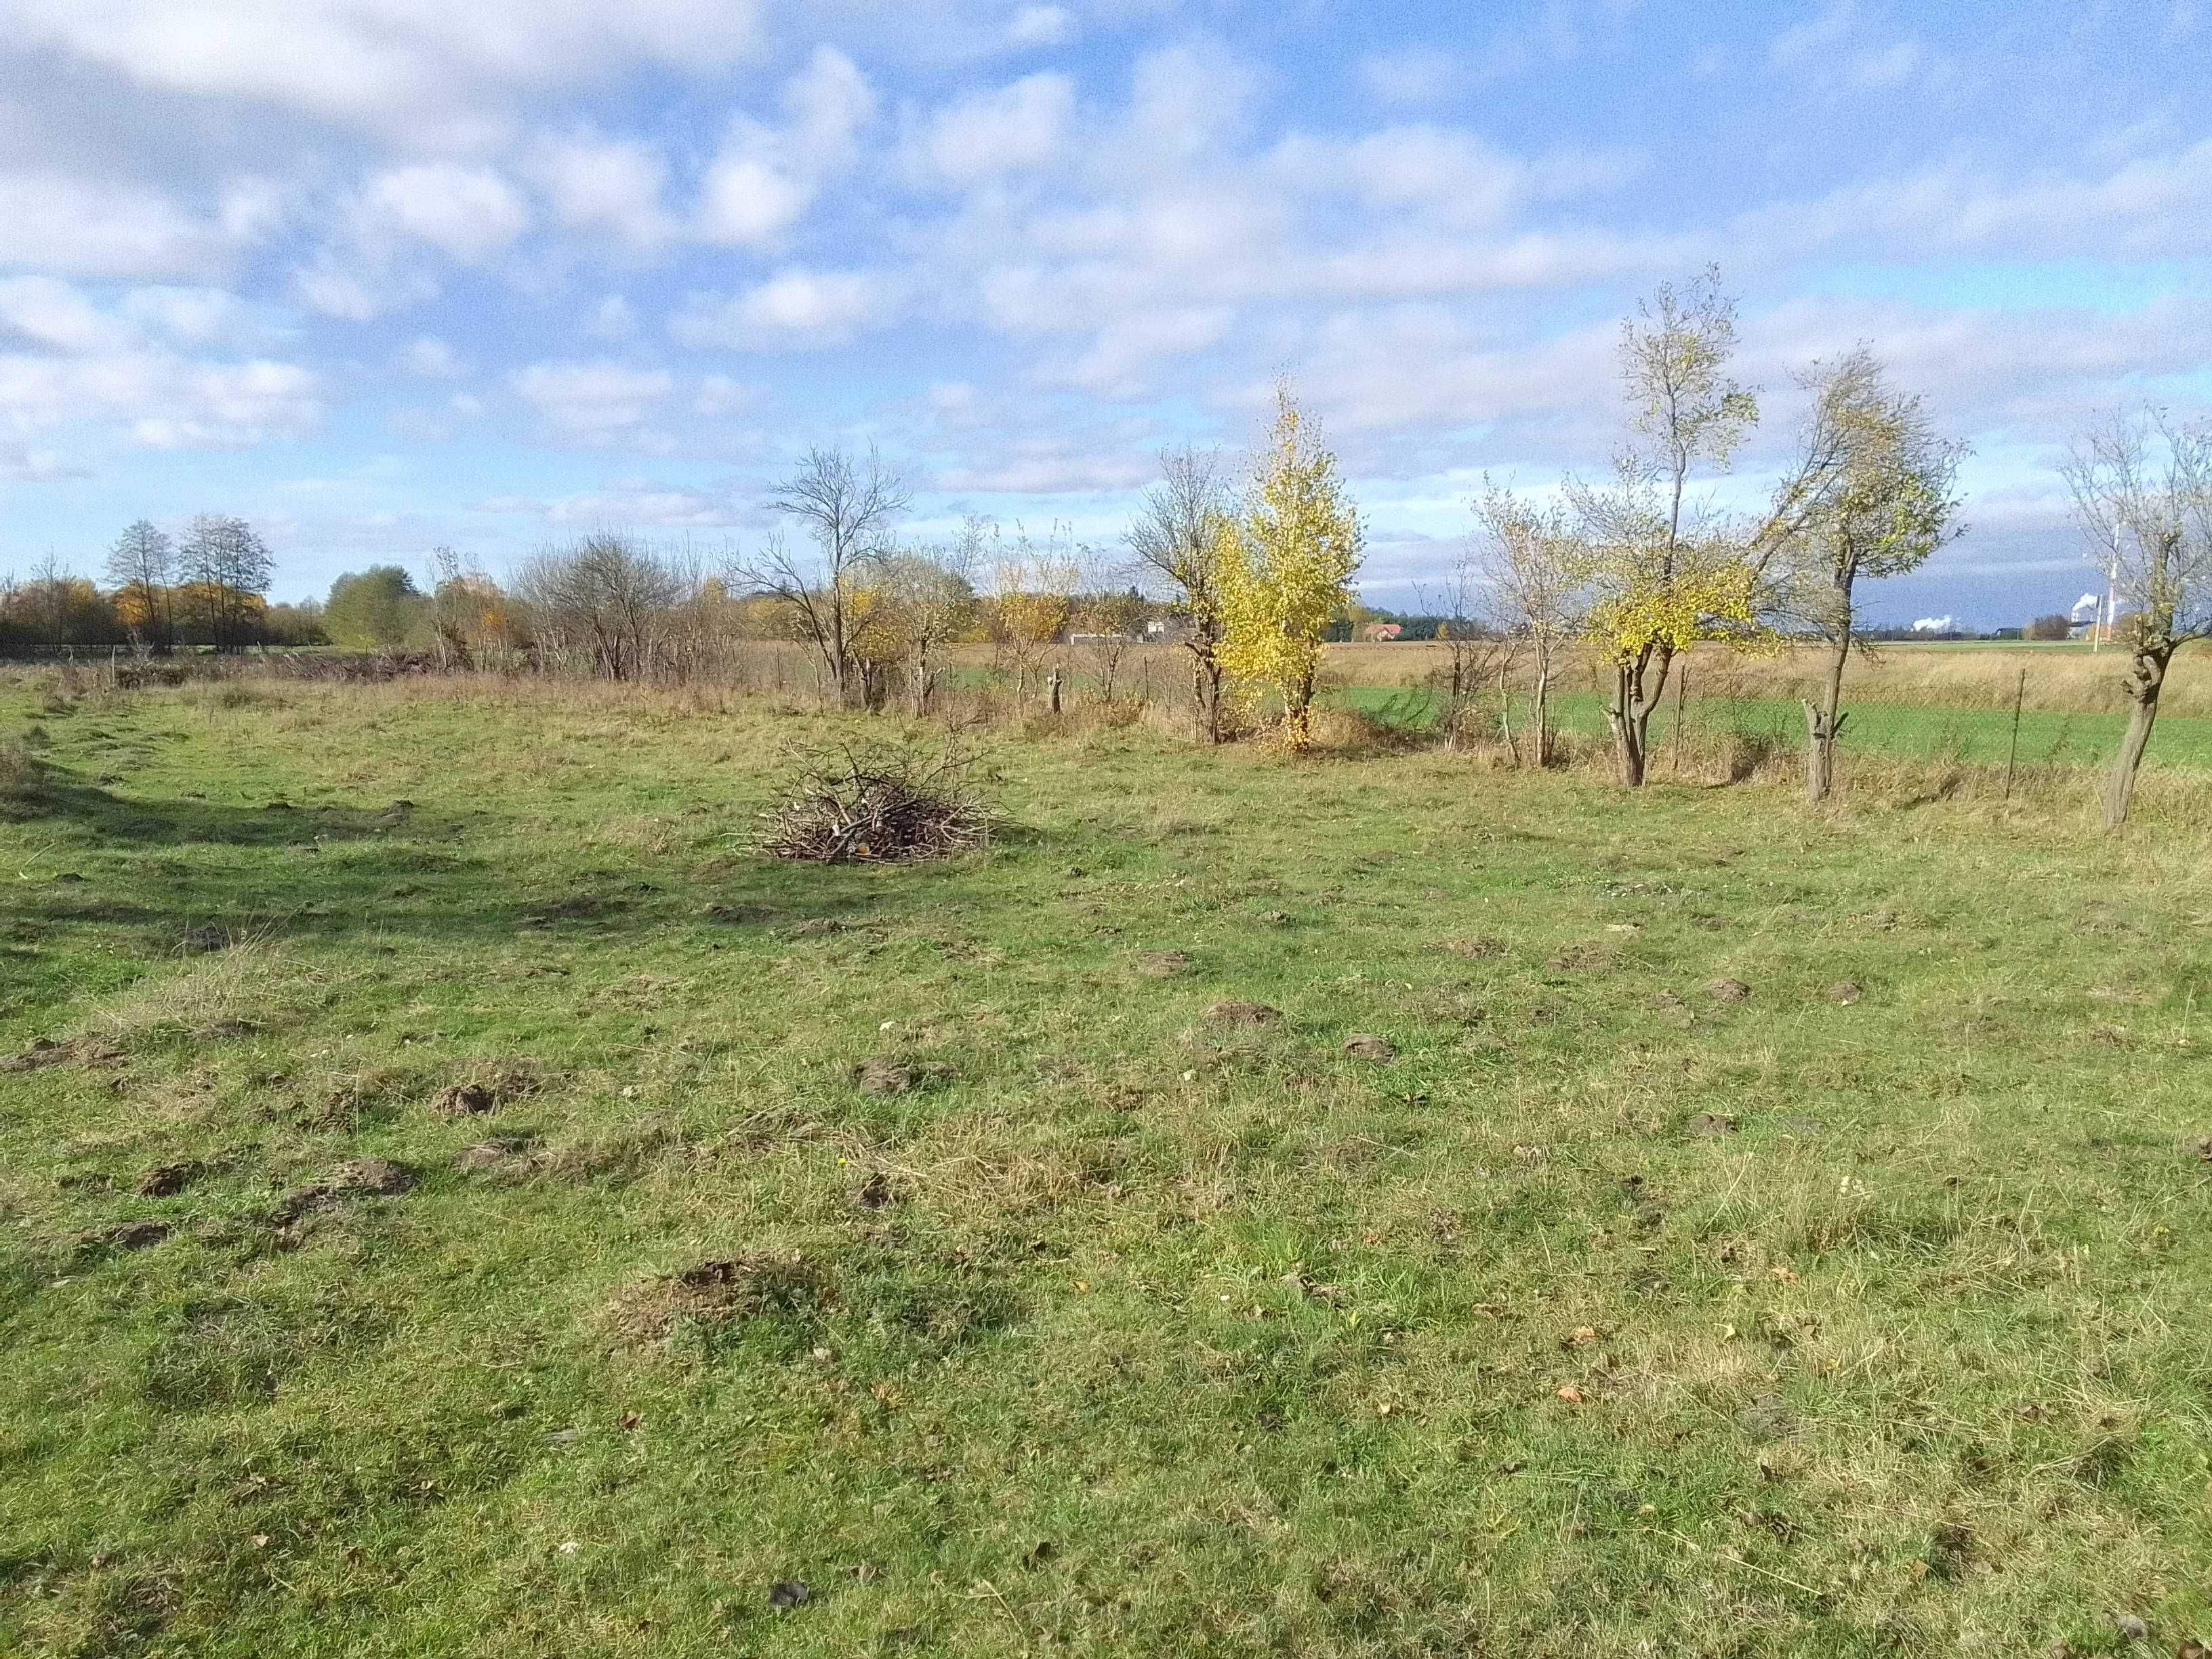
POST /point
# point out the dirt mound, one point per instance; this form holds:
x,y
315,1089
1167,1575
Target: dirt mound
x,y
1476,950
721,1291
167,1180
129,1236
1727,990
510,1157
357,1177
1582,958
880,1074
44,1052
482,1091
1235,1013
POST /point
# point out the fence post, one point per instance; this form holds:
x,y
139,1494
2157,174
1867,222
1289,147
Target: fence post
x,y
2012,755
1681,690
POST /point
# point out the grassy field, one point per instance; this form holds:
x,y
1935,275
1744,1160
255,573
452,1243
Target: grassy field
x,y
474,1204
1972,737
2060,679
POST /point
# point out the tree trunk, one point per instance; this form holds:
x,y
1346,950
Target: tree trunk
x,y
1542,738
1822,722
921,680
2144,683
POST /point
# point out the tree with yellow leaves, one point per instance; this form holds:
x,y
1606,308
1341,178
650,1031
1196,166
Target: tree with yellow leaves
x,y
1663,570
1285,565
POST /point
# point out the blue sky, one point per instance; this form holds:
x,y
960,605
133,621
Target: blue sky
x,y
385,274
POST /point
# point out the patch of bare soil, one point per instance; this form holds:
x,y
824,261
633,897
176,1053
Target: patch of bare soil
x,y
357,1177
721,1291
511,1158
167,1180
475,1096
1237,1013
128,1236
880,1074
81,1050
1583,958
1476,950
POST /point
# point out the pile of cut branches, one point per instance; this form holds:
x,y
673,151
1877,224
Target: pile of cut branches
x,y
875,801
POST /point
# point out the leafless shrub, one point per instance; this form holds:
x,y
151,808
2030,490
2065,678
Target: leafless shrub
x,y
877,802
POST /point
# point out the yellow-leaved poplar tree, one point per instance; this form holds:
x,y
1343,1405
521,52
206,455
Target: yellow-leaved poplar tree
x,y
1285,566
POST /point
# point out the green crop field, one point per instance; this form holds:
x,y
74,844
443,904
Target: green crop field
x,y
473,1203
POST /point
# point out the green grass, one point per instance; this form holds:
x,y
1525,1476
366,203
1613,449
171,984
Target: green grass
x,y
1974,737
1881,1325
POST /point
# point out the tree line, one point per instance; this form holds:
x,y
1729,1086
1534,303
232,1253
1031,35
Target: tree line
x,y
1250,568
207,587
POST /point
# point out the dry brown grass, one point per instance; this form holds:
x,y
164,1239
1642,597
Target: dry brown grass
x,y
2068,680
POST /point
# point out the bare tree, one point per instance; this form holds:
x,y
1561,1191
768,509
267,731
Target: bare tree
x,y
1033,585
848,513
2143,493
1175,541
932,594
142,565
608,596
1871,495
1476,654
1532,563
227,569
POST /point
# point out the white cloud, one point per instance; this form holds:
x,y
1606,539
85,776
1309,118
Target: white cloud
x,y
626,502
592,402
719,395
611,319
1048,464
347,289
763,179
469,213
609,186
191,316
21,463
80,228
87,365
1041,26
434,359
750,202
395,64
1412,76
1936,625
41,311
1014,129
437,425
1124,356
792,310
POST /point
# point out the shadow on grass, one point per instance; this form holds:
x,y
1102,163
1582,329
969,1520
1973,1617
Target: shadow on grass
x,y
334,872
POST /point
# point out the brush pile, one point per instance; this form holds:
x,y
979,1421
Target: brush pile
x,y
876,802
